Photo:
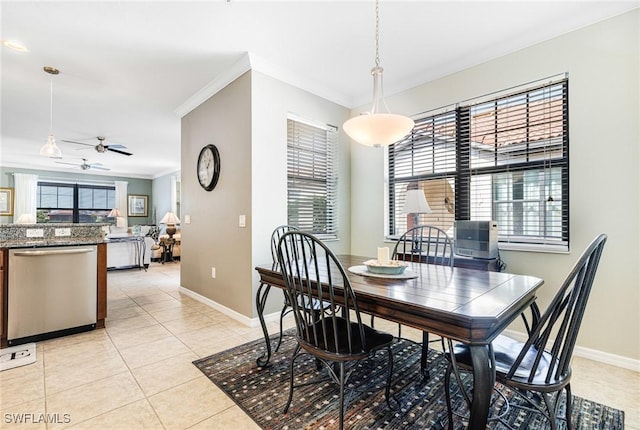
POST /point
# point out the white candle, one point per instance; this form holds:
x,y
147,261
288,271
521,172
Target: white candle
x,y
383,255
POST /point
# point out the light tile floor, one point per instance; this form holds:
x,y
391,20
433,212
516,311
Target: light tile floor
x,y
137,373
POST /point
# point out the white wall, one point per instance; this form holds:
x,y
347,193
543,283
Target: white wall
x,y
602,62
272,100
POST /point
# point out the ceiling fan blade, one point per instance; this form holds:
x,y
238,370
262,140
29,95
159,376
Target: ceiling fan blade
x,y
115,145
77,143
98,167
118,151
70,164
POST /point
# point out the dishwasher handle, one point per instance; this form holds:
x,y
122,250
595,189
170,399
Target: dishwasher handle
x,y
40,253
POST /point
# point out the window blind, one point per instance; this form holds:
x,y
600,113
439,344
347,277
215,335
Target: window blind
x,y
519,164
312,178
503,159
426,158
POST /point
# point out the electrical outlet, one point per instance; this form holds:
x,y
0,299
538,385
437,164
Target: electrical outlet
x,y
35,232
213,272
62,232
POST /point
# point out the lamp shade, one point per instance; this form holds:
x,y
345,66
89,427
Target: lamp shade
x,y
26,219
416,203
170,218
50,149
378,129
115,212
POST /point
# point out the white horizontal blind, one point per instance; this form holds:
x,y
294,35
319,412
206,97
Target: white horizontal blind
x,y
312,178
504,159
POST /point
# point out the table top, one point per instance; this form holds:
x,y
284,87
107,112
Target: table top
x,y
469,305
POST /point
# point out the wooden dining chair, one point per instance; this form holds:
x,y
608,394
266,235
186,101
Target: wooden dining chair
x,y
337,340
542,363
426,244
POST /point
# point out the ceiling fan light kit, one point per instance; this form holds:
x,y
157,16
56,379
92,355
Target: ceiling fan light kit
x,y
377,128
50,149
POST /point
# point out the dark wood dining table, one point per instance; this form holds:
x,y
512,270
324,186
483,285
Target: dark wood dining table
x,y
467,305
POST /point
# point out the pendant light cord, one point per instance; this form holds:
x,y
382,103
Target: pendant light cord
x,y
377,33
51,107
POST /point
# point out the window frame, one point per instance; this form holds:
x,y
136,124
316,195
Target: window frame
x,y
307,174
76,210
529,149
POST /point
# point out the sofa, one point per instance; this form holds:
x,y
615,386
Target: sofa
x,y
130,247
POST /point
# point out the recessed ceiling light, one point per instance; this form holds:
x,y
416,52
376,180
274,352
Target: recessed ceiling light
x,y
15,45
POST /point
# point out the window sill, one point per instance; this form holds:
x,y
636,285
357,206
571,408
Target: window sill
x,y
527,247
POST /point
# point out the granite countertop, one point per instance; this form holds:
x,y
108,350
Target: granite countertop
x,y
62,241
50,234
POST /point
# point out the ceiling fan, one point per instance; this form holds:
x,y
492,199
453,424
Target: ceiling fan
x,y
85,165
102,148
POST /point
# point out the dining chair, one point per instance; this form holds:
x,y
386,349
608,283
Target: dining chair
x,y
317,306
337,339
427,244
542,363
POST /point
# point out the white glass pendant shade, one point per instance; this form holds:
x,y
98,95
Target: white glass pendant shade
x,y
378,128
50,149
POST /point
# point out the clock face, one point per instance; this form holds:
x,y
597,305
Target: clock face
x,y
208,167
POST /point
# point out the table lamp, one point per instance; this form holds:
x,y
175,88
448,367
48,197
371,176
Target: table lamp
x,y
115,213
415,203
170,219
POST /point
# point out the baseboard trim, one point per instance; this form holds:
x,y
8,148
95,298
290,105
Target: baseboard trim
x,y
250,322
592,354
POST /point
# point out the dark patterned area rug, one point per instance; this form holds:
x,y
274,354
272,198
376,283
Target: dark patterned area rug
x,y
262,393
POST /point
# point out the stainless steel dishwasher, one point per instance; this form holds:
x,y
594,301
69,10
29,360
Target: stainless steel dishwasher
x,y
52,292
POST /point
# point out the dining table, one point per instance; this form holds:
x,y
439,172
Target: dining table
x,y
465,305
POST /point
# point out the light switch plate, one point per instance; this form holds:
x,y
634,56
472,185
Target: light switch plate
x,y
242,221
187,219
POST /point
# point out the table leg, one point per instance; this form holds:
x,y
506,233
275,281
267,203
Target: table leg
x,y
261,300
482,386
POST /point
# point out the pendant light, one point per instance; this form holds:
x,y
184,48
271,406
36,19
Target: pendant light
x,y
50,149
378,128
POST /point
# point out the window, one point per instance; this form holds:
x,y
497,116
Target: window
x,y
504,159
75,203
312,178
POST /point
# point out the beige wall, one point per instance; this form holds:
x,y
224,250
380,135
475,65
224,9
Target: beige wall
x,y
602,62
213,238
247,121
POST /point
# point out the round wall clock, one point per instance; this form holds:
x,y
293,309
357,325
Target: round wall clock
x,y
208,168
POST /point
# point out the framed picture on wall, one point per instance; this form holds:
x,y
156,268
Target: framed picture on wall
x,y
6,201
138,205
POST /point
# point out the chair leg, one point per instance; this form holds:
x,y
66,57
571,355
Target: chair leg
x,y
291,367
387,390
569,407
341,394
447,393
424,354
372,318
282,314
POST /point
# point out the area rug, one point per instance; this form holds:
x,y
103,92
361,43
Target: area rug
x,y
262,393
